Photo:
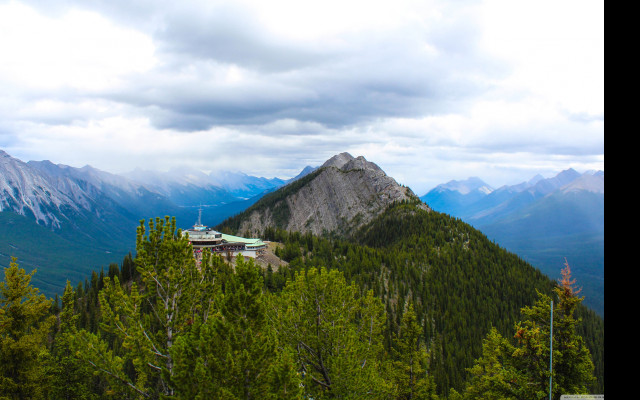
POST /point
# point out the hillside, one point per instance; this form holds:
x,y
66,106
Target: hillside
x,y
542,220
460,282
348,215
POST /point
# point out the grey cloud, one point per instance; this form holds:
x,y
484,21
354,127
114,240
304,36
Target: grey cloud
x,y
369,76
231,35
364,85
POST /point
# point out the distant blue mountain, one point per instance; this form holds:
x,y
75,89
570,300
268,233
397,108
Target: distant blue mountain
x,y
455,197
68,221
542,220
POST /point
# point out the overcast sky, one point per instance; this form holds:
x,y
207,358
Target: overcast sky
x,y
429,90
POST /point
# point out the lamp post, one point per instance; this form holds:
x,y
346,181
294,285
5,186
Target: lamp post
x,y
551,353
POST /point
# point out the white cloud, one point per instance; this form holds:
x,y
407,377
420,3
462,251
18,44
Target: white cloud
x,y
556,49
79,50
430,90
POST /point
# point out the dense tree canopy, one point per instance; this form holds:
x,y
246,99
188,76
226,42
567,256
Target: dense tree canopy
x,y
522,369
335,332
416,306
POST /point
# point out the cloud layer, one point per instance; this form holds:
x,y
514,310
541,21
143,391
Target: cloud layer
x,y
431,91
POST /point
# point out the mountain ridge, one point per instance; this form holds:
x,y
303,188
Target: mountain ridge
x,y
92,215
543,220
460,282
340,196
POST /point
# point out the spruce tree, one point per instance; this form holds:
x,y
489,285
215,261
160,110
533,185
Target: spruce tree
x,y
335,332
171,293
72,378
233,354
25,325
409,372
521,370
493,376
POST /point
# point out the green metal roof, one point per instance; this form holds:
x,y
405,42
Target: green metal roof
x,y
238,239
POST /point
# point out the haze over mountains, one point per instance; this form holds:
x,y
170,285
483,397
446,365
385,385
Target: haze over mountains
x,y
83,217
541,220
68,221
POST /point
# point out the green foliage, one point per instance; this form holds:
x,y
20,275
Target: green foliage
x,y
72,379
25,325
521,370
409,372
141,324
493,376
336,333
233,354
398,311
460,284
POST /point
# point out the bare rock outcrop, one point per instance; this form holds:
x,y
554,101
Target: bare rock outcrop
x,y
344,194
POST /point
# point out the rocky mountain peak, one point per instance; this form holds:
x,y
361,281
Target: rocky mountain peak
x,y
361,163
342,195
338,161
593,183
25,191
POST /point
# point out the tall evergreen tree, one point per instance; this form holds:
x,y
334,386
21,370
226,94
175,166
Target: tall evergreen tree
x,y
493,376
147,319
234,354
335,332
521,370
410,377
572,371
25,326
72,378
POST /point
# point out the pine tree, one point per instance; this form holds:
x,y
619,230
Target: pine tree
x,y
246,347
335,332
25,325
233,354
521,371
284,380
71,377
411,360
572,371
147,319
493,376
572,363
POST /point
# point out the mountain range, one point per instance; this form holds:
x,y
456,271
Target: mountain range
x,y
347,214
67,221
542,220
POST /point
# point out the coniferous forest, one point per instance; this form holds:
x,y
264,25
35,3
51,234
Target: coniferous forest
x,y
415,305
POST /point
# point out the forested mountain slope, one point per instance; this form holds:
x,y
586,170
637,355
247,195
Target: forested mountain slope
x,y
460,283
410,285
543,220
400,262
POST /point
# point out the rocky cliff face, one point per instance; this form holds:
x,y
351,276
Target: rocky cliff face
x,y
344,194
26,191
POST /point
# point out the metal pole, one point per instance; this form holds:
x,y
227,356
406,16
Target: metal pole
x,y
551,353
